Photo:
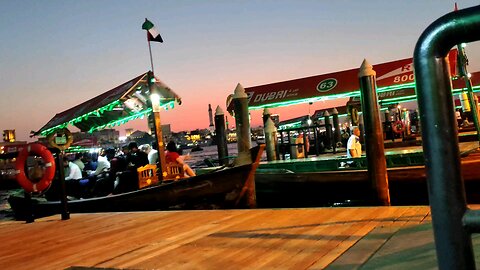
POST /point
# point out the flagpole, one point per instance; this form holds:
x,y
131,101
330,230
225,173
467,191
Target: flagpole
x,y
150,51
157,125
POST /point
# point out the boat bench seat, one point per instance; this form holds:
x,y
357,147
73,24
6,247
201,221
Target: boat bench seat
x,y
147,175
174,171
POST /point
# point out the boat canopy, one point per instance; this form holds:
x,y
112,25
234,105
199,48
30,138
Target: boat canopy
x,y
117,106
395,80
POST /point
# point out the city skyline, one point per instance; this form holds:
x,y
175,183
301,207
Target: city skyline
x,y
58,54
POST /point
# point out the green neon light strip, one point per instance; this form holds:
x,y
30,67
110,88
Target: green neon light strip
x,y
99,112
350,94
122,121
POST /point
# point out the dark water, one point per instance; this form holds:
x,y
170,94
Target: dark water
x,y
5,211
196,160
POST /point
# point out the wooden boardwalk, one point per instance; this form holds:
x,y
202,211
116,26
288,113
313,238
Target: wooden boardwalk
x,y
314,238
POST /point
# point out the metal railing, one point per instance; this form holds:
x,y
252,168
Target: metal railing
x,y
453,222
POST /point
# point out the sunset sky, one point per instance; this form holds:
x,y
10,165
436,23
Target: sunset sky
x,y
55,54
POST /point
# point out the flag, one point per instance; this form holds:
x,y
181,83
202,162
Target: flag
x,y
153,34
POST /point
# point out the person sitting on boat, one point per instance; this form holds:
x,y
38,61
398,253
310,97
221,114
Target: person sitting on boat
x,y
79,157
128,180
105,185
103,165
73,175
152,154
135,157
354,148
172,155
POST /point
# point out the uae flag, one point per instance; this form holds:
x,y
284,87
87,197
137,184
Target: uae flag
x,y
153,34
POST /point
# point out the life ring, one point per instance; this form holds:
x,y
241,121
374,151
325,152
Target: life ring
x,y
48,174
66,132
398,127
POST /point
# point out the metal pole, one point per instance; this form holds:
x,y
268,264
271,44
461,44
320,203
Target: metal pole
x,y
150,51
221,136
440,136
242,121
30,218
377,166
61,177
328,130
468,83
336,126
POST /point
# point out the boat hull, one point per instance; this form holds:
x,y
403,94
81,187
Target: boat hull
x,y
407,185
219,189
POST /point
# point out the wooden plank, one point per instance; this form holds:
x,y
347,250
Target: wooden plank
x,y
164,246
292,240
255,239
384,213
359,253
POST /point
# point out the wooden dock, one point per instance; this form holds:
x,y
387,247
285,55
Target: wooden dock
x,y
314,238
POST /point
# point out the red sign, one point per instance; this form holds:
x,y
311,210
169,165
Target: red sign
x,y
388,74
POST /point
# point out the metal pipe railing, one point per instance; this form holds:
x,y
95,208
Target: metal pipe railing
x,y
440,136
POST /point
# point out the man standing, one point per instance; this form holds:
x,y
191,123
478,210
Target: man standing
x,y
354,148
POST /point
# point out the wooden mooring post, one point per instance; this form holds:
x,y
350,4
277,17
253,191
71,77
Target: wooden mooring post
x,y
221,136
375,150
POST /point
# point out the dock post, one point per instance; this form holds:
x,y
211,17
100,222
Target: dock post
x,y
328,130
242,123
221,136
30,217
271,139
375,150
336,126
61,177
266,115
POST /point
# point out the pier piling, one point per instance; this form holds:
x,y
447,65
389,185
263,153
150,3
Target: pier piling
x,y
375,150
242,124
221,136
271,139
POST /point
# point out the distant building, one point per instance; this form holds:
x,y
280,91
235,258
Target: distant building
x,y
141,137
9,135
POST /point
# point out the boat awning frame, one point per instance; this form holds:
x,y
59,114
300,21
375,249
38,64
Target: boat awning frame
x,y
128,101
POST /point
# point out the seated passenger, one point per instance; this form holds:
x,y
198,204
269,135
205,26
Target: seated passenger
x,y
73,175
171,155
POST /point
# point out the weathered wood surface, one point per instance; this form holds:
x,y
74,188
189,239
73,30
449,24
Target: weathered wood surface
x,y
315,238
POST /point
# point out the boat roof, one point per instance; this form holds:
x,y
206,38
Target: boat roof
x,y
117,106
390,77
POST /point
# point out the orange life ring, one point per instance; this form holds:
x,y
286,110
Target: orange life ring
x,y
398,127
48,175
52,143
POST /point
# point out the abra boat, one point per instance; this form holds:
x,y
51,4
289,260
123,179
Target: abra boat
x,y
221,186
311,182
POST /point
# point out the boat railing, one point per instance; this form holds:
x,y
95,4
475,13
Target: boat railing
x,y
453,221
